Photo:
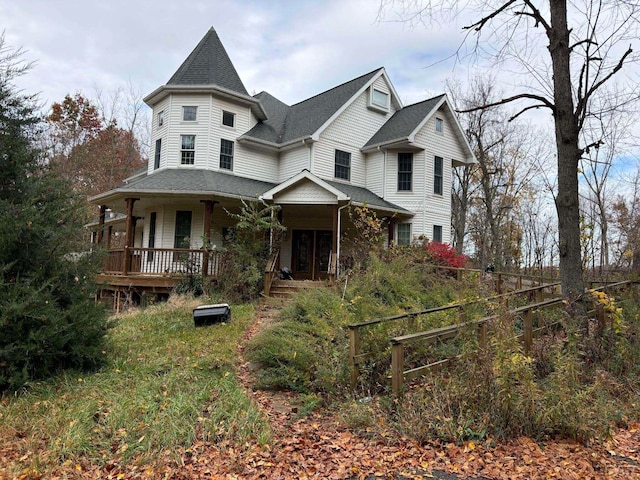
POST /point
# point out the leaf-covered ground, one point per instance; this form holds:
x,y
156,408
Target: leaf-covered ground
x,y
320,446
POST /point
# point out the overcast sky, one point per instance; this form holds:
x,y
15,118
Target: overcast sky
x,y
292,49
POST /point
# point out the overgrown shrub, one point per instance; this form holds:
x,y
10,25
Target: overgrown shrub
x,y
246,253
48,318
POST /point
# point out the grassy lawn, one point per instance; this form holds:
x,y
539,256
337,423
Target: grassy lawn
x,y
165,384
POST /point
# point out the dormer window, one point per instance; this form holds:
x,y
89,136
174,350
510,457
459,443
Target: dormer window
x,y
379,100
189,114
228,119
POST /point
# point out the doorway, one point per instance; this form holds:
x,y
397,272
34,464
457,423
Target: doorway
x,y
311,254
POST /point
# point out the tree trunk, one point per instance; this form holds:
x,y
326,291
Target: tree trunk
x,y
569,153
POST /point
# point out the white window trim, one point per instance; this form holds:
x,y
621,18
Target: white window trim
x,y
439,121
160,118
398,233
189,106
375,106
222,124
187,165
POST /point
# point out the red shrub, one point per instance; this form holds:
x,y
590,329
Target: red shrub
x,y
445,255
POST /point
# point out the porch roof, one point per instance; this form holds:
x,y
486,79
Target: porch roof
x,y
197,182
189,181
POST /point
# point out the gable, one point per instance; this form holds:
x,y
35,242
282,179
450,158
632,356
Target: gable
x,y
305,192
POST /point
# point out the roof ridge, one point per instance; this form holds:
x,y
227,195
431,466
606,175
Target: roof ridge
x,y
423,101
338,86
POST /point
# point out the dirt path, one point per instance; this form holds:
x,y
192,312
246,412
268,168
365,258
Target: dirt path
x,y
320,446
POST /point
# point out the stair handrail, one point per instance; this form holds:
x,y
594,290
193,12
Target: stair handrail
x,y
270,270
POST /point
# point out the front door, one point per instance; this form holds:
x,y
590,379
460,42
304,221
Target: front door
x,y
311,253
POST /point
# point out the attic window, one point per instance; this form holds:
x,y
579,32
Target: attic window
x,y
439,125
379,100
228,118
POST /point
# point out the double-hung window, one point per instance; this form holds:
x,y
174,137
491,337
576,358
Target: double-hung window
x,y
343,165
405,172
187,149
156,155
226,154
437,175
404,234
182,233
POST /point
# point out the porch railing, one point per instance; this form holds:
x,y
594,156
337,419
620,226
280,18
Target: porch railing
x,y
162,261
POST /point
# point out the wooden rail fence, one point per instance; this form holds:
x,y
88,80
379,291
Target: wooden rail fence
x,y
443,334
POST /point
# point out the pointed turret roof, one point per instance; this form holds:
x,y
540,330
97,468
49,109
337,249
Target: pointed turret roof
x,y
209,64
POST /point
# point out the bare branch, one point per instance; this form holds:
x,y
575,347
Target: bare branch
x,y
543,103
483,21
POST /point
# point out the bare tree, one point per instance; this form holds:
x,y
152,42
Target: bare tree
x,y
588,43
489,193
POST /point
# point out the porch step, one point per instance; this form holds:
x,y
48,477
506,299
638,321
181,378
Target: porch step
x,y
287,288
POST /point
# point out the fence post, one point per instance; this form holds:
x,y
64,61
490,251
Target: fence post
x,y
354,350
602,318
528,332
397,367
459,274
482,335
412,322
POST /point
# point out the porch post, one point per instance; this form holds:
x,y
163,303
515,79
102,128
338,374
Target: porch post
x,y
129,236
392,226
103,210
208,213
334,246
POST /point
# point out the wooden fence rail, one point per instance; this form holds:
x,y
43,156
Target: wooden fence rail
x,y
399,375
357,357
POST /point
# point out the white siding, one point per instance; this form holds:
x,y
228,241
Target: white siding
x,y
375,172
306,193
171,144
349,132
430,208
294,161
159,132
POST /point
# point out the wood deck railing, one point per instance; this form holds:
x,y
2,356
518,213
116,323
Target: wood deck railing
x,y
162,261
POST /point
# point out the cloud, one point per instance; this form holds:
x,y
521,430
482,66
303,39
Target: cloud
x,y
293,49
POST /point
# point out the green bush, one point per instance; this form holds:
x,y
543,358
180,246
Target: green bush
x,y
48,318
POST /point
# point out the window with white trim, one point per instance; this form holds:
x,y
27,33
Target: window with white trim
x,y
189,114
228,119
437,233
187,149
437,175
156,155
343,165
439,125
226,154
378,100
403,231
405,171
161,118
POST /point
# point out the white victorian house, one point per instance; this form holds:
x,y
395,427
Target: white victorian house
x,y
215,145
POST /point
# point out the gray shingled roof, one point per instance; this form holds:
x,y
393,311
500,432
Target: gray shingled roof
x,y
209,64
362,195
192,180
183,180
305,118
404,122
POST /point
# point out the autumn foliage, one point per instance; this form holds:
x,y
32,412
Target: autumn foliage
x,y
93,153
445,255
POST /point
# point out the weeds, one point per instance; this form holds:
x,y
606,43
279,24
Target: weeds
x,y
165,384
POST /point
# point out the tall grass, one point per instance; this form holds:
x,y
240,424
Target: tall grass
x,y
165,385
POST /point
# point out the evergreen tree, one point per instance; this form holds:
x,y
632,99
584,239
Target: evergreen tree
x,y
48,318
